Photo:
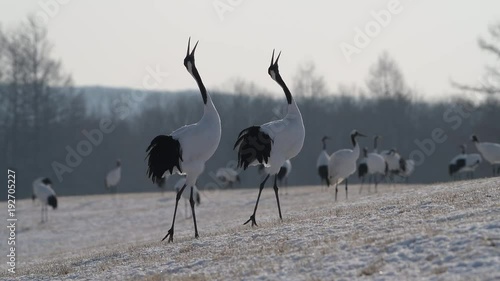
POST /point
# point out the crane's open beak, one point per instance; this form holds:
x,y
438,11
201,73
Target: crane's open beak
x,y
194,49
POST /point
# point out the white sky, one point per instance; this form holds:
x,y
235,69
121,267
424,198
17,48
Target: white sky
x,y
112,42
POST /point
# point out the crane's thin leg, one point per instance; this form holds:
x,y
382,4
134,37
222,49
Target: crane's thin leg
x,y
171,230
375,177
252,217
191,200
369,183
336,191
346,197
277,197
362,182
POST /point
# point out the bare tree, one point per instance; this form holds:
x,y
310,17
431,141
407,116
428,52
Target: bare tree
x,y
490,82
307,83
386,79
34,81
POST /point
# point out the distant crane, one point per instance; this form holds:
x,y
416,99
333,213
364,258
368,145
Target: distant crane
x,y
283,174
322,163
42,190
178,185
228,176
342,163
377,166
363,168
406,168
188,148
464,163
392,158
113,177
490,152
273,143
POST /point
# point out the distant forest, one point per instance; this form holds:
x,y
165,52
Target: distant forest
x,y
74,134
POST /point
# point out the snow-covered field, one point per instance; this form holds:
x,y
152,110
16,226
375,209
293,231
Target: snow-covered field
x,y
447,231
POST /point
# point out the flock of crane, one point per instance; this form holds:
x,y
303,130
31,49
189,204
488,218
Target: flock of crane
x,y
270,146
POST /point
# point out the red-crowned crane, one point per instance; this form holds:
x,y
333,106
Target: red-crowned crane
x,y
322,163
273,143
113,177
464,163
342,163
186,149
42,190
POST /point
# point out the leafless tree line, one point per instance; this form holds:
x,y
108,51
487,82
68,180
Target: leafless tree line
x,y
43,114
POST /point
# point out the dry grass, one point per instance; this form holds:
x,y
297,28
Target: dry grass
x,y
401,230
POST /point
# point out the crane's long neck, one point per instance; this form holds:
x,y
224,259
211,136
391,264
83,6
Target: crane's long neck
x,y
194,72
324,144
356,146
285,89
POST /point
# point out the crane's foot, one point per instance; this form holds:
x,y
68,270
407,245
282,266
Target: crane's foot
x,y
251,219
170,235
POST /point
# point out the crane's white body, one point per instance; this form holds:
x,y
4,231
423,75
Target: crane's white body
x,y
342,164
227,175
199,142
113,177
471,160
288,138
323,159
392,160
375,163
489,151
42,192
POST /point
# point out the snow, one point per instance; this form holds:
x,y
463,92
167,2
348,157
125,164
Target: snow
x,y
424,232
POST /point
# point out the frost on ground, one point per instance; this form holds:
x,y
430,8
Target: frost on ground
x,y
437,232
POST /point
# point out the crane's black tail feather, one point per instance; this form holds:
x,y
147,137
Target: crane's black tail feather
x,y
52,201
165,154
362,170
253,144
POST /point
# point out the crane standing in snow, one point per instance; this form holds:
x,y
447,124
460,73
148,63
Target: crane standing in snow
x,y
363,168
43,191
284,173
322,163
464,163
342,163
113,177
273,143
186,149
